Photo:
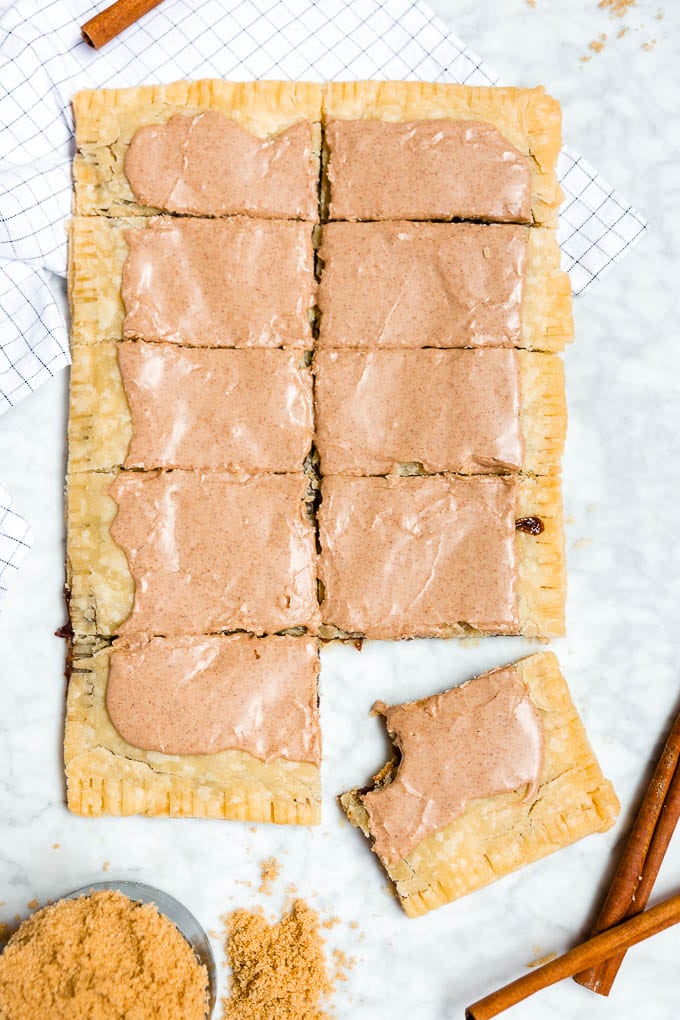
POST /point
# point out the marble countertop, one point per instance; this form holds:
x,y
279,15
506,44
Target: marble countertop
x,y
621,656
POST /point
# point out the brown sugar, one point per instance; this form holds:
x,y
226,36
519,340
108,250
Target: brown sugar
x,y
270,869
597,45
617,8
100,957
278,971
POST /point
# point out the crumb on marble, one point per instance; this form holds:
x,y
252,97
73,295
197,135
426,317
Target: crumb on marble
x,y
542,960
647,46
330,922
33,904
597,45
56,846
617,8
270,869
106,865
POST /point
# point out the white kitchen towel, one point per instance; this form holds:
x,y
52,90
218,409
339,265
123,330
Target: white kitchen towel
x,y
43,61
15,539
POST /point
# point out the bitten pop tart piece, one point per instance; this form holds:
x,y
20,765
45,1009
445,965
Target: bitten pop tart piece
x,y
205,283
425,151
408,285
441,556
202,726
143,405
487,777
206,148
426,412
180,552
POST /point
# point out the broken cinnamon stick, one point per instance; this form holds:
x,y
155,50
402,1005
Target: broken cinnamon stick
x,y
588,954
635,876
114,19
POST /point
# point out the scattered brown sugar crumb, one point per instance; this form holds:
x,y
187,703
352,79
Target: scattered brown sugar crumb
x,y
106,865
101,956
617,8
597,45
33,904
330,922
354,924
649,45
278,971
56,846
531,3
542,960
342,963
270,869
621,32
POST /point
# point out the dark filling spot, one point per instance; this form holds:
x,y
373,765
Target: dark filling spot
x,y
531,525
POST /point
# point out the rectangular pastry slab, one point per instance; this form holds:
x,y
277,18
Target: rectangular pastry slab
x,y
408,285
233,410
527,118
107,119
212,552
233,301
425,412
496,835
107,775
400,557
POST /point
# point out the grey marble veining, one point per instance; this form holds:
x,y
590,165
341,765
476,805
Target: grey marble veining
x,y
621,656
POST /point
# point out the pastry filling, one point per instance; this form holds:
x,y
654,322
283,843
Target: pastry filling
x,y
208,165
421,285
479,740
425,170
201,695
211,552
403,557
226,283
427,410
195,408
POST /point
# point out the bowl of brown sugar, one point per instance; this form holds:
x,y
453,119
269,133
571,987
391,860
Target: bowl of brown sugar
x,y
108,950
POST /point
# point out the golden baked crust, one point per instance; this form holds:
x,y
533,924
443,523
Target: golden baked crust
x,y
98,579
547,321
541,584
106,120
496,835
107,776
528,118
541,568
97,253
100,423
543,412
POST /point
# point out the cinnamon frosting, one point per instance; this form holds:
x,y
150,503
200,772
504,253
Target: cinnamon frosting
x,y
480,740
421,284
208,165
212,552
405,557
201,695
456,411
425,170
195,408
220,283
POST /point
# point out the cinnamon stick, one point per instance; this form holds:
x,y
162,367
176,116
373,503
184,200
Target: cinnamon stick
x,y
114,19
635,876
588,954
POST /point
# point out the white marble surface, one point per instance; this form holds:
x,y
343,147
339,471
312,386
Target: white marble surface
x,y
621,656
